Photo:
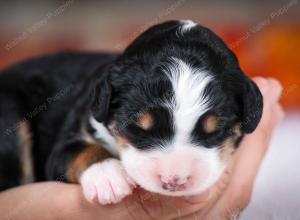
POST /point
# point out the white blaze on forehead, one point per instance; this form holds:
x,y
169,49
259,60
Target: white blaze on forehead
x,y
180,157
187,25
189,102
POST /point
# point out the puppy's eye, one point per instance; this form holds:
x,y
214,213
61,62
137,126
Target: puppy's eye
x,y
145,120
210,123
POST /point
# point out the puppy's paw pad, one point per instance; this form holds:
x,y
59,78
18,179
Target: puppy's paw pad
x,y
106,182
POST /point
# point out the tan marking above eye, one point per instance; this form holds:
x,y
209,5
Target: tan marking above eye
x,y
210,123
145,120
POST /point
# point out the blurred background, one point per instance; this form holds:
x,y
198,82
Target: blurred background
x,y
264,34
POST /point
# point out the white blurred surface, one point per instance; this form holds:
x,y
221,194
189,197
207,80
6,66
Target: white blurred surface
x,y
276,192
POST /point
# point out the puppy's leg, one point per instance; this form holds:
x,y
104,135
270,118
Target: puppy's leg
x,y
102,177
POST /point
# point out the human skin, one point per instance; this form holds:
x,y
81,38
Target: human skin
x,y
226,199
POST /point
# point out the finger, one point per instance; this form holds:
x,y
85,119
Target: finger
x,y
271,90
252,150
261,82
238,193
278,110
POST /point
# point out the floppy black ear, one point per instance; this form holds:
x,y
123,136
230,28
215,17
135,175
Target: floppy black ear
x,y
252,106
101,98
248,97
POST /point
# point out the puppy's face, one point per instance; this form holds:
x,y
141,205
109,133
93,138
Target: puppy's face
x,y
179,110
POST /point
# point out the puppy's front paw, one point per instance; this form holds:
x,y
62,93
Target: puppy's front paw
x,y
106,182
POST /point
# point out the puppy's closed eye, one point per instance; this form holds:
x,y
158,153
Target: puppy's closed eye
x,y
210,123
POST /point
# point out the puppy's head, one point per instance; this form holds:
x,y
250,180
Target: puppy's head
x,y
179,104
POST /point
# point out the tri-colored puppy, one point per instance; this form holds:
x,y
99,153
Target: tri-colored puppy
x,y
166,114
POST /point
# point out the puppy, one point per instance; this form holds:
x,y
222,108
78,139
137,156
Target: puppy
x,y
167,114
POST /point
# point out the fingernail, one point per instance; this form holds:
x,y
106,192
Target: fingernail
x,y
198,198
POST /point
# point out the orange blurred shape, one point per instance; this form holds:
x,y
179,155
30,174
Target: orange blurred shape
x,y
283,46
273,51
34,46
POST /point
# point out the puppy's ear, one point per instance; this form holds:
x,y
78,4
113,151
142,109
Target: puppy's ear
x,y
101,93
252,106
248,97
